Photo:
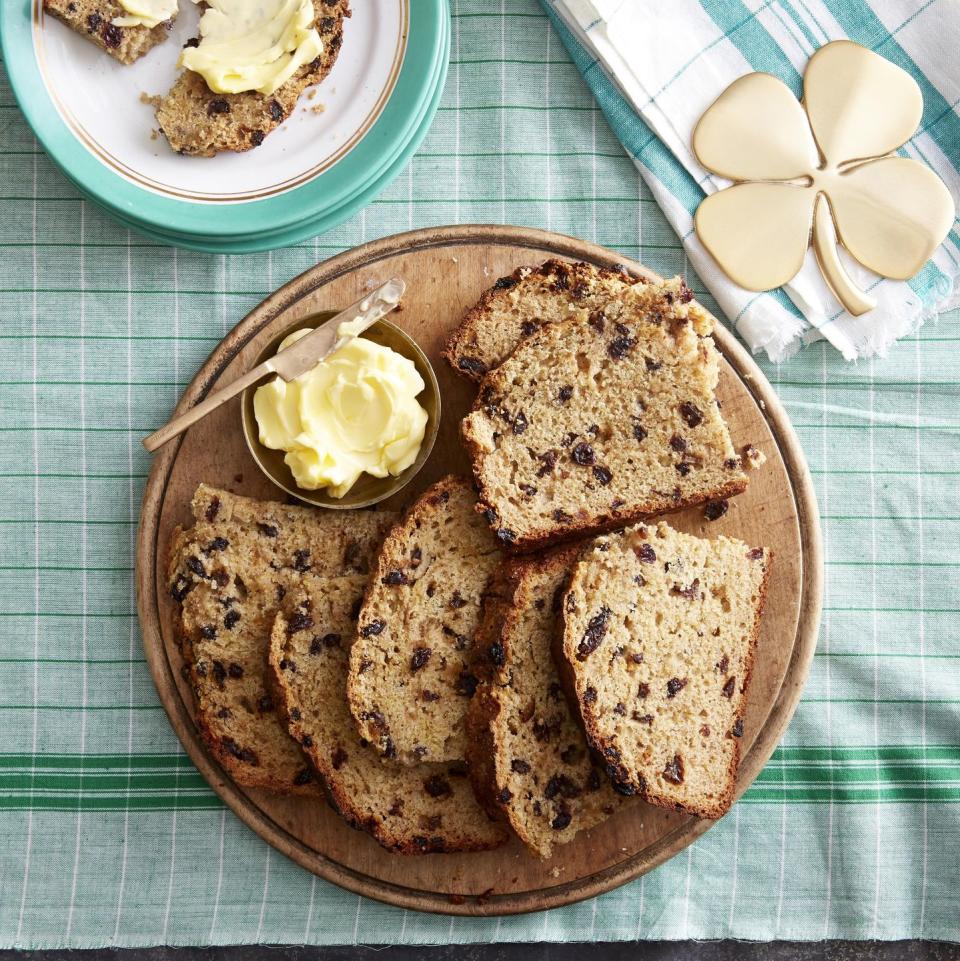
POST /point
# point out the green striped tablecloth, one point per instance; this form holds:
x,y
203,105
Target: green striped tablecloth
x,y
109,836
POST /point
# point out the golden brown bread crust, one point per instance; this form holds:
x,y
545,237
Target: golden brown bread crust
x,y
484,708
228,574
629,781
200,123
642,371
419,809
528,758
481,715
93,19
604,523
287,707
491,329
283,768
618,773
412,670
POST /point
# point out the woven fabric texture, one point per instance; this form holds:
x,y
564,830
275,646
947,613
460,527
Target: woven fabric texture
x,y
108,836
653,94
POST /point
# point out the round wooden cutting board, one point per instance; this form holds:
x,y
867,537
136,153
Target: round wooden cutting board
x,y
446,269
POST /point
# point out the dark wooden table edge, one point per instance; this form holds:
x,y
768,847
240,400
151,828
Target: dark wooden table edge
x,y
724,950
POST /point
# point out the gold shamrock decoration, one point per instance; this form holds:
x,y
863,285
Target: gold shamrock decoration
x,y
822,169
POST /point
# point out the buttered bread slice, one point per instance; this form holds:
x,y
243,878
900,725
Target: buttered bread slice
x,y
200,122
527,755
94,20
410,809
229,573
411,669
601,420
657,647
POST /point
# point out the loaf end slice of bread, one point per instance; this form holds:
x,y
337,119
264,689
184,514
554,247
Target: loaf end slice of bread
x,y
417,809
602,420
198,122
229,573
660,630
517,305
527,754
411,670
93,19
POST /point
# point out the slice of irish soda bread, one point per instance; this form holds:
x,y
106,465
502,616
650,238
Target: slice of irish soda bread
x,y
515,306
601,420
411,670
201,123
93,19
229,573
527,755
411,809
658,644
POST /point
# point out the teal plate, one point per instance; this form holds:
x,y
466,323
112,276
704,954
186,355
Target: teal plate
x,y
323,200
310,228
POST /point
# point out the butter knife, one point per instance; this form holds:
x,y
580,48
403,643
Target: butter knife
x,y
292,361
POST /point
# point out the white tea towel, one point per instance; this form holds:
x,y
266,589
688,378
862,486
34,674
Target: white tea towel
x,y
663,64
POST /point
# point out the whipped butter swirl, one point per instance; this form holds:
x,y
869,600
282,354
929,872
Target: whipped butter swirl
x,y
355,412
253,44
145,13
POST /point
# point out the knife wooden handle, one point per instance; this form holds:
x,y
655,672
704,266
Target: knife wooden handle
x,y
179,424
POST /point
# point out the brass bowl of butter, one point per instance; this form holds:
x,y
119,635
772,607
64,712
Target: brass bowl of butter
x,y
352,431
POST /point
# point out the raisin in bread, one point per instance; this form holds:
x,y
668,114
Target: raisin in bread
x,y
93,19
599,421
527,755
412,809
658,643
198,122
229,573
411,670
515,306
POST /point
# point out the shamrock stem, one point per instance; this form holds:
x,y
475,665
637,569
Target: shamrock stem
x,y
825,247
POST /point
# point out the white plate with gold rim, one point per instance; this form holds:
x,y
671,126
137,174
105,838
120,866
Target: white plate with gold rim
x,y
88,112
